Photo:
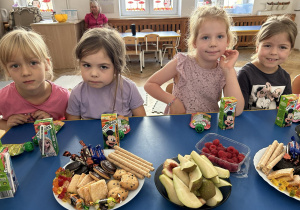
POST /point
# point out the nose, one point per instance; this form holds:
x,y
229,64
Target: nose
x,y
94,73
213,42
273,51
26,71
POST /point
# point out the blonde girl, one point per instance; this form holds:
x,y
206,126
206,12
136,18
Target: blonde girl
x,y
263,80
101,56
205,71
24,57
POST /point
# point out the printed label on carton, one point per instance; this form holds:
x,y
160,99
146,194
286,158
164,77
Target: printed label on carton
x,y
227,113
46,135
8,179
110,130
285,113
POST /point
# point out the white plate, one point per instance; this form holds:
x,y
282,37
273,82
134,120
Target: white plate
x,y
131,194
256,159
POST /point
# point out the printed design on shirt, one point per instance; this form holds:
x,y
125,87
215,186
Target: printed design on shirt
x,y
265,96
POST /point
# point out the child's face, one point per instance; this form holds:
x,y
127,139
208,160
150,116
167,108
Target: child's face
x,y
273,52
29,74
211,42
97,69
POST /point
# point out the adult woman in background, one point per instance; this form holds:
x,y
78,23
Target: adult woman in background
x,y
95,19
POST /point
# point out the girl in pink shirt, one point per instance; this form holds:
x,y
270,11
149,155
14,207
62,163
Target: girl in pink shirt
x,y
95,19
205,71
25,58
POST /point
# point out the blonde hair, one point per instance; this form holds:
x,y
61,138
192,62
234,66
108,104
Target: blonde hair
x,y
109,40
29,44
276,25
95,3
203,13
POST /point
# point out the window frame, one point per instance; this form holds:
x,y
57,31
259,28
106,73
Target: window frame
x,y
149,12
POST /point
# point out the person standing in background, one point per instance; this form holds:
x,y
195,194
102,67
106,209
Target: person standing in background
x,y
95,19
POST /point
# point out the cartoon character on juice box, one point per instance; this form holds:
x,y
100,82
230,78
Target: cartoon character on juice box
x,y
229,120
288,117
110,139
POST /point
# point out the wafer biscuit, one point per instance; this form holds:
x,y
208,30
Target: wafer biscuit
x,y
276,153
123,162
133,155
276,160
138,175
295,182
131,162
259,166
269,153
280,173
133,159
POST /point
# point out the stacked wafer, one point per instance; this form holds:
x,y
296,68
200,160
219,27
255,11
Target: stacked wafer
x,y
130,162
271,157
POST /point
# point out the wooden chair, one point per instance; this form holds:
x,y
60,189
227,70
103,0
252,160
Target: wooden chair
x,y
165,47
154,38
128,31
147,30
296,85
130,40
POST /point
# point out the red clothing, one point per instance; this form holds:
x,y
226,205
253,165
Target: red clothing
x,y
94,23
13,103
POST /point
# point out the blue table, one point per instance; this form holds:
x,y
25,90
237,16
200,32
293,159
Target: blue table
x,y
154,139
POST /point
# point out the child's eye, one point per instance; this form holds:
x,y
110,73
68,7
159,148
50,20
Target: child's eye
x,y
283,47
14,66
267,45
33,63
103,67
220,36
85,65
205,38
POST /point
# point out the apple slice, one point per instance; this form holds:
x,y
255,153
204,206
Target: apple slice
x,y
168,166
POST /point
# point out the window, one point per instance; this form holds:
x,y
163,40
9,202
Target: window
x,y
136,8
231,6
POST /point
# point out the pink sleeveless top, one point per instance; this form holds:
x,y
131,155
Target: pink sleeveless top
x,y
199,89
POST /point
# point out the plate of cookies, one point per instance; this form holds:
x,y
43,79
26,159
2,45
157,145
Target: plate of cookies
x,y
112,183
283,180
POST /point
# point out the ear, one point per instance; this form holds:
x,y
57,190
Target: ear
x,y
48,64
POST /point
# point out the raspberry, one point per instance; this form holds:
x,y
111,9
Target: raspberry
x,y
212,147
234,167
240,157
216,142
235,160
214,152
221,153
207,144
230,149
236,151
229,155
230,160
227,165
205,150
212,158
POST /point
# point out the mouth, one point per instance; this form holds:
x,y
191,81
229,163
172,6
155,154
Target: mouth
x,y
28,82
272,59
212,52
95,82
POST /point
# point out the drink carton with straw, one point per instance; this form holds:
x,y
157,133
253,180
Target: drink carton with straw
x,y
227,113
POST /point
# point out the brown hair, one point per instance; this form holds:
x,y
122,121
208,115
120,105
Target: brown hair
x,y
199,15
107,39
276,25
28,43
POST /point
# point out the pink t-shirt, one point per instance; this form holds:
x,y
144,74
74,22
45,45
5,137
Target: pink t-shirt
x,y
199,89
11,102
94,23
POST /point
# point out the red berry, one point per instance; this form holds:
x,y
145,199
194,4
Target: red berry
x,y
212,147
235,159
230,149
227,165
207,144
212,158
214,152
205,150
216,142
236,151
229,155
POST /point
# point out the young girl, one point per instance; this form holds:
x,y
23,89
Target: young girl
x,y
263,80
25,58
208,68
101,54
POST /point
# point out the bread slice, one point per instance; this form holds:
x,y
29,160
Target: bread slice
x,y
98,190
281,172
72,186
85,181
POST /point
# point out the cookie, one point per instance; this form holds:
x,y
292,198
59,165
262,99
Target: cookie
x,y
108,166
118,193
82,170
112,184
119,173
74,166
101,172
129,182
95,176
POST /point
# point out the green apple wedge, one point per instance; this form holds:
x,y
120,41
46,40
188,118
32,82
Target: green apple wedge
x,y
182,175
222,172
169,186
223,183
207,169
184,194
185,164
216,199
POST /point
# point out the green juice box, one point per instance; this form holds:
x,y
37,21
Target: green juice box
x,y
227,113
110,130
46,136
8,179
285,113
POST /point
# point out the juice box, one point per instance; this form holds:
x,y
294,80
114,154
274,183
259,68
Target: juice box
x,y
227,113
8,179
285,113
46,136
110,130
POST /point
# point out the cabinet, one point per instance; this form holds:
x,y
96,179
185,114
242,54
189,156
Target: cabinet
x,y
61,39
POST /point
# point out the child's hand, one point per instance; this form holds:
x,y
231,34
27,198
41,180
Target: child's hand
x,y
17,119
228,62
39,114
177,107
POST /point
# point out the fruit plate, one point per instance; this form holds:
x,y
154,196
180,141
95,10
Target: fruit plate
x,y
256,159
131,194
226,191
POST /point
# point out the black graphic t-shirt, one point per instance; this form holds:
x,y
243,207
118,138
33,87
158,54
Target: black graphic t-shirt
x,y
261,90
